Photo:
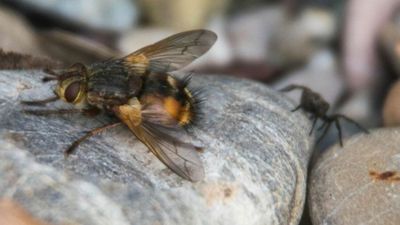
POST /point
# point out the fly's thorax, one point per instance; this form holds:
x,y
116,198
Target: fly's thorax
x,y
108,84
104,100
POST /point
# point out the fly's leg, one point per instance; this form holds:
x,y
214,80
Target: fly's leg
x,y
91,112
44,112
40,102
89,134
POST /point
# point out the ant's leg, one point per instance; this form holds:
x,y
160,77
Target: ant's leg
x,y
322,126
292,87
89,134
313,125
325,130
353,122
297,108
339,130
40,102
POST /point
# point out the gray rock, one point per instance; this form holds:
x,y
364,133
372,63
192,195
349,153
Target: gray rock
x,y
255,159
358,184
51,195
114,15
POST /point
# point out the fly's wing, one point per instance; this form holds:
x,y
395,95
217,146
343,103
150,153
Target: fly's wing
x,y
182,158
172,53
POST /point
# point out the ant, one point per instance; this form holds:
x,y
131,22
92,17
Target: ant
x,y
314,104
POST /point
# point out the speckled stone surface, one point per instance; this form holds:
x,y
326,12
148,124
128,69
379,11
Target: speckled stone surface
x,y
51,195
360,183
255,159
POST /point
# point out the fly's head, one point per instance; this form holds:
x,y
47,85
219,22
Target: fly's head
x,y
72,84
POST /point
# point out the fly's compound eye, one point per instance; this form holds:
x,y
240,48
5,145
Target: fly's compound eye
x,y
72,91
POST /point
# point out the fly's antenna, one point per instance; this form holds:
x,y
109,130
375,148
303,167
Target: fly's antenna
x,y
51,75
49,78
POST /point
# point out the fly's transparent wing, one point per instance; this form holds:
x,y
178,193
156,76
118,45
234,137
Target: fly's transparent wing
x,y
180,157
172,53
162,140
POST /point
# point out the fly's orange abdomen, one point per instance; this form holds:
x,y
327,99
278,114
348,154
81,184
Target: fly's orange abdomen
x,y
180,112
172,96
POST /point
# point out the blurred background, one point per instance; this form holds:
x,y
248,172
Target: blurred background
x,y
348,51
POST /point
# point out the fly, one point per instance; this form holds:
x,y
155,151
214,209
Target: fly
x,y
140,92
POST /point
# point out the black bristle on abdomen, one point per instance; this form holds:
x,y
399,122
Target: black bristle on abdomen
x,y
198,98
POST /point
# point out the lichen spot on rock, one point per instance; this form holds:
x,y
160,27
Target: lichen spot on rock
x,y
385,176
217,193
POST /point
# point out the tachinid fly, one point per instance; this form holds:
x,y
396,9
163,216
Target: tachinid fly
x,y
138,90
